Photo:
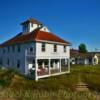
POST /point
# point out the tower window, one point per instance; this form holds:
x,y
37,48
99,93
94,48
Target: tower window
x,y
25,28
31,24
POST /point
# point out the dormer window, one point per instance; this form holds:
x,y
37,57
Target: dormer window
x,y
45,29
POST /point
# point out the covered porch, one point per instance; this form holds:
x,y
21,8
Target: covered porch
x,y
47,67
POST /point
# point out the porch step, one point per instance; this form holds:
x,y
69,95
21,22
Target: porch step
x,y
81,87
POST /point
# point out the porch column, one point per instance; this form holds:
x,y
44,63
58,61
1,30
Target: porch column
x,y
43,65
60,65
69,65
49,66
93,61
36,69
65,62
54,65
26,64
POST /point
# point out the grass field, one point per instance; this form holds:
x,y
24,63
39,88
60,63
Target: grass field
x,y
16,87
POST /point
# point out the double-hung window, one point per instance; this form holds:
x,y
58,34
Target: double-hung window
x,y
55,48
31,49
18,47
64,48
18,63
43,47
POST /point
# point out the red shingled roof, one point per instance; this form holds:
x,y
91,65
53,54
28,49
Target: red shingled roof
x,y
35,35
31,20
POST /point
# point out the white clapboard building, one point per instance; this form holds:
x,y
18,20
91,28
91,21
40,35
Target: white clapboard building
x,y
36,51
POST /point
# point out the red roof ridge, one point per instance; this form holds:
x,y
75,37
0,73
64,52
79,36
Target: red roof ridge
x,y
32,20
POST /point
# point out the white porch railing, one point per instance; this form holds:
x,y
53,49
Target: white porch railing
x,y
41,71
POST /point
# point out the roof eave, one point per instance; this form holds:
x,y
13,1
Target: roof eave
x,y
52,42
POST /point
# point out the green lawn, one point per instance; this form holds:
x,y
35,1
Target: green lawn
x,y
89,75
14,85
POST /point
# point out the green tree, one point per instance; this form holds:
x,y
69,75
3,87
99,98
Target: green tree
x,y
82,48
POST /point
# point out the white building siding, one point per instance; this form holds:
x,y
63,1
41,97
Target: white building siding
x,y
32,27
49,51
14,56
37,51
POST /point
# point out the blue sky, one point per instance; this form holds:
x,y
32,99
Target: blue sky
x,y
77,21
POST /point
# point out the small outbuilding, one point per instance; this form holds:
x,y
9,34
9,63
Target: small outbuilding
x,y
89,58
